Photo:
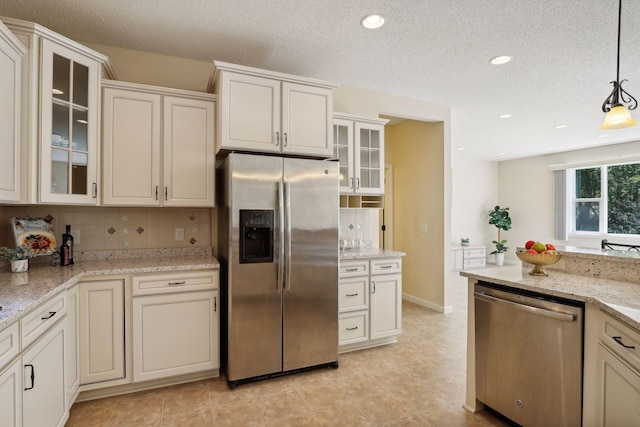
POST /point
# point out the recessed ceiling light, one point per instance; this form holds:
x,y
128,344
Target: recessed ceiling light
x,y
460,148
502,59
57,91
372,21
504,116
560,126
603,136
502,153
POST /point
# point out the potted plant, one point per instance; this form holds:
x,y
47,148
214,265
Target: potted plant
x,y
18,257
499,217
465,241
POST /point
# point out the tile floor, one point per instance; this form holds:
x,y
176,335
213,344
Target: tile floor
x,y
420,381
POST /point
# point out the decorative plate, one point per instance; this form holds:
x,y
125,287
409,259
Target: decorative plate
x,y
35,233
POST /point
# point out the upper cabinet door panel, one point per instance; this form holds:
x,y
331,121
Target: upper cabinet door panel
x,y
189,158
11,52
131,147
250,113
69,115
306,120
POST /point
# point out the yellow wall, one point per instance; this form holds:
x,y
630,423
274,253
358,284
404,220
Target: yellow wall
x,y
415,149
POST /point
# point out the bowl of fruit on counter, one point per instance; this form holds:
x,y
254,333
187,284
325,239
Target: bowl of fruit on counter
x,y
538,254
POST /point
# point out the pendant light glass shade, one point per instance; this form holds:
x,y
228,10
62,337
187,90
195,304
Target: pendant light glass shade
x,y
618,117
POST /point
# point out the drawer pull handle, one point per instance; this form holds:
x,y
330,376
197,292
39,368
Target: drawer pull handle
x,y
177,283
33,376
51,314
386,266
374,287
352,329
352,269
619,341
352,295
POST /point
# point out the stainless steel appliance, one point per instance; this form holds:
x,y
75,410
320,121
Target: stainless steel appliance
x,y
279,261
529,355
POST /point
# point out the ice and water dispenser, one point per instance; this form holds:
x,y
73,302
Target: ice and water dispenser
x,y
256,236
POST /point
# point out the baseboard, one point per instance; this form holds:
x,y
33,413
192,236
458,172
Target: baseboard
x,y
435,307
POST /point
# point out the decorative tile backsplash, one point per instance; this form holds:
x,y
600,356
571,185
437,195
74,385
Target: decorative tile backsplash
x,y
362,225
103,228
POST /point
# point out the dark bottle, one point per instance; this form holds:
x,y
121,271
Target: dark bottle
x,y
68,239
64,252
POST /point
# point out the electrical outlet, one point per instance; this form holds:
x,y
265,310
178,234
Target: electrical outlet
x,y
423,228
76,236
179,233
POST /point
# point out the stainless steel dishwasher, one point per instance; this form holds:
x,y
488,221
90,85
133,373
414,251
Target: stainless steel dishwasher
x,y
529,355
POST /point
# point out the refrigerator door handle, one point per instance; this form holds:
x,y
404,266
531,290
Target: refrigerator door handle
x,y
281,261
287,207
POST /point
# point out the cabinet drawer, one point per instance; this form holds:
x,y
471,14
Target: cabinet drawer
x,y
150,284
353,294
42,318
353,327
9,345
475,253
474,263
354,268
384,266
622,340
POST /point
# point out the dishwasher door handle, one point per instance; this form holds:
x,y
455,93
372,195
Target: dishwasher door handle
x,y
566,317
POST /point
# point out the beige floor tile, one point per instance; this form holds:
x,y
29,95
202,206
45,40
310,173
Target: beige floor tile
x,y
180,400
220,393
303,420
234,414
194,419
282,405
382,407
322,395
346,414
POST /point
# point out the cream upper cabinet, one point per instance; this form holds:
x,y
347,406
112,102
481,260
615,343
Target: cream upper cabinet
x,y
11,52
158,146
60,116
270,112
358,143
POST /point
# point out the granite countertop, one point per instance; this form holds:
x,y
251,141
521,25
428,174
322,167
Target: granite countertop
x,y
369,253
620,299
22,292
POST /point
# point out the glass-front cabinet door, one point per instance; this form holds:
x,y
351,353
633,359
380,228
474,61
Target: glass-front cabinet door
x,y
369,158
343,151
69,133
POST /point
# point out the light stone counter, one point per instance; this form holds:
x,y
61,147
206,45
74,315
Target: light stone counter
x,y
618,298
22,292
346,255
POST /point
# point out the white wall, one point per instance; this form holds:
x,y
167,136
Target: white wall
x,y
526,187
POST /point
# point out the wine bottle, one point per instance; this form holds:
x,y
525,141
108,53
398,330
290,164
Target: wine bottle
x,y
64,252
68,238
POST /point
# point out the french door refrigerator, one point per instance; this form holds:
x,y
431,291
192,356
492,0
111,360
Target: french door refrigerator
x,y
278,250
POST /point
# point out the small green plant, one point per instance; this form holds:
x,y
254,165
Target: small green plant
x,y
16,254
464,241
499,217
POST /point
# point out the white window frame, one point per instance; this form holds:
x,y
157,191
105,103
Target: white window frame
x,y
603,200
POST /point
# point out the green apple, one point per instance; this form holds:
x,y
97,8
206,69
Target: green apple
x,y
539,247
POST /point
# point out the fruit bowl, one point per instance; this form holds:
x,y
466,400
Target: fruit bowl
x,y
538,260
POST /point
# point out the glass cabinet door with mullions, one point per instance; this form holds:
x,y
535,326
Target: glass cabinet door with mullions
x,y
69,141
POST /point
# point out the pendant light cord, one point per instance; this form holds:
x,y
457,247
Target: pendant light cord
x,y
619,19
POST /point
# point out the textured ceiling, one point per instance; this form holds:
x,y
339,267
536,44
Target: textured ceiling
x,y
438,51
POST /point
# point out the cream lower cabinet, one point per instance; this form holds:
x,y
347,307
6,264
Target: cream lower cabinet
x,y
175,324
43,397
11,395
611,391
158,146
71,348
101,331
370,302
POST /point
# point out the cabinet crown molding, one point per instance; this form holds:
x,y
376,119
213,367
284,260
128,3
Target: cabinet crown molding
x,y
225,66
11,40
17,25
348,116
117,84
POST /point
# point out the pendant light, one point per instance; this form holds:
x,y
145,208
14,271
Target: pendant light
x,y
617,114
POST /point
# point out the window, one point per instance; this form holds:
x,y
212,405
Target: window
x,y
606,199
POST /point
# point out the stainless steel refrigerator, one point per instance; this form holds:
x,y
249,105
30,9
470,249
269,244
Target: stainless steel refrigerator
x,y
278,250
